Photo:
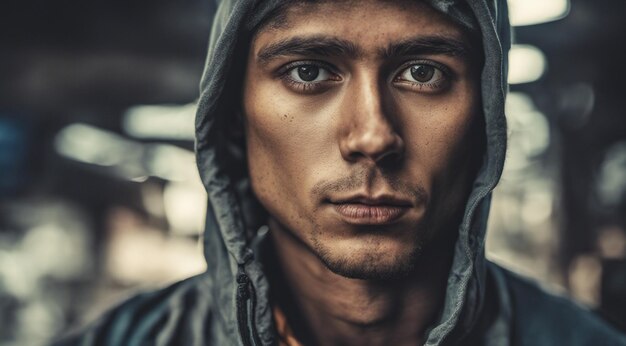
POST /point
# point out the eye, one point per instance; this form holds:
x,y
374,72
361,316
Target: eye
x,y
309,74
424,75
309,77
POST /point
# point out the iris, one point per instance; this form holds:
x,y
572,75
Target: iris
x,y
308,73
422,73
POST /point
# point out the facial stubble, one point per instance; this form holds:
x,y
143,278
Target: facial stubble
x,y
369,265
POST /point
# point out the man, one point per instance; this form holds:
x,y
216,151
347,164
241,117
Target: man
x,y
362,140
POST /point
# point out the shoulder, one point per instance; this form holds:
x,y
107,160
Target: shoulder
x,y
147,317
542,318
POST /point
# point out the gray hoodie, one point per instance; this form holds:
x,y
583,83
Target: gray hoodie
x,y
229,303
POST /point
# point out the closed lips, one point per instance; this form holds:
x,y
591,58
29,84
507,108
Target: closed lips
x,y
371,211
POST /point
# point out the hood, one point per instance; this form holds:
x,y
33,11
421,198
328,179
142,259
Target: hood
x,y
238,286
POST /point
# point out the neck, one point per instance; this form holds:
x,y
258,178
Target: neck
x,y
324,308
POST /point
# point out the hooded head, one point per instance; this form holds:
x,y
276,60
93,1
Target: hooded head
x,y
313,144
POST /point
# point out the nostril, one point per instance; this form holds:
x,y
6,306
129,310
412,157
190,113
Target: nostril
x,y
389,159
355,156
380,148
389,154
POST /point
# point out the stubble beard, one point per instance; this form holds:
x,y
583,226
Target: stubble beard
x,y
364,264
370,265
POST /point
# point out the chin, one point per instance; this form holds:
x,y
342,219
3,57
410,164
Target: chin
x,y
372,259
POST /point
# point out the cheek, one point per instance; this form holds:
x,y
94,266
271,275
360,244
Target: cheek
x,y
284,143
437,129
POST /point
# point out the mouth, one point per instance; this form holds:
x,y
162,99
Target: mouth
x,y
362,210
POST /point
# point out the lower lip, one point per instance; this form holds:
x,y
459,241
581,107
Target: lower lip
x,y
364,214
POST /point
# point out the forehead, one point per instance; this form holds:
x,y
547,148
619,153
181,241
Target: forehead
x,y
372,23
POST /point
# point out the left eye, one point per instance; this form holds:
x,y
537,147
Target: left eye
x,y
421,74
309,74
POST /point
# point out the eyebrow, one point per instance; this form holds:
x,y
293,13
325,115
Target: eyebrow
x,y
326,46
309,45
427,45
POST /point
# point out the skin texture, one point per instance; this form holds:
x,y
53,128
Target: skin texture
x,y
365,170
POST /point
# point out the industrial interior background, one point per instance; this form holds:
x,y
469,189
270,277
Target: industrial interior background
x,y
100,198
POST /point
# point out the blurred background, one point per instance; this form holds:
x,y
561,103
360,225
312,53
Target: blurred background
x,y
100,197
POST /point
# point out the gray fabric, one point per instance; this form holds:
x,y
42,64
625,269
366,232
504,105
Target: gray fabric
x,y
204,310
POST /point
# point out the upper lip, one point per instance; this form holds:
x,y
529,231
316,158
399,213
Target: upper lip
x,y
384,200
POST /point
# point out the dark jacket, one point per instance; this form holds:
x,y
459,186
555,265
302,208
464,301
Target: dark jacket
x,y
229,303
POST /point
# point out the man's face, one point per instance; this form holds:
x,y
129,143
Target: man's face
x,y
357,122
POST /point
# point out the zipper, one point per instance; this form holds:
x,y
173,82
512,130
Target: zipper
x,y
246,306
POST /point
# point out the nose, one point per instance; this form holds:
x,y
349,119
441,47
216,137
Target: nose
x,y
367,131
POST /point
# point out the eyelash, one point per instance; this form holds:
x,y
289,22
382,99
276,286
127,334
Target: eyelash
x,y
309,87
312,87
436,86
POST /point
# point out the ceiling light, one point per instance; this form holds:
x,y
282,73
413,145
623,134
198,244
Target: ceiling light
x,y
526,64
160,122
531,12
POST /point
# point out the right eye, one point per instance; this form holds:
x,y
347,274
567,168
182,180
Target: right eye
x,y
309,77
309,74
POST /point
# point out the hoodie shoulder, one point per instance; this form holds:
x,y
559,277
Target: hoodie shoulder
x,y
177,313
541,318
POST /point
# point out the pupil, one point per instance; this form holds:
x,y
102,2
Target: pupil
x,y
308,73
422,73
